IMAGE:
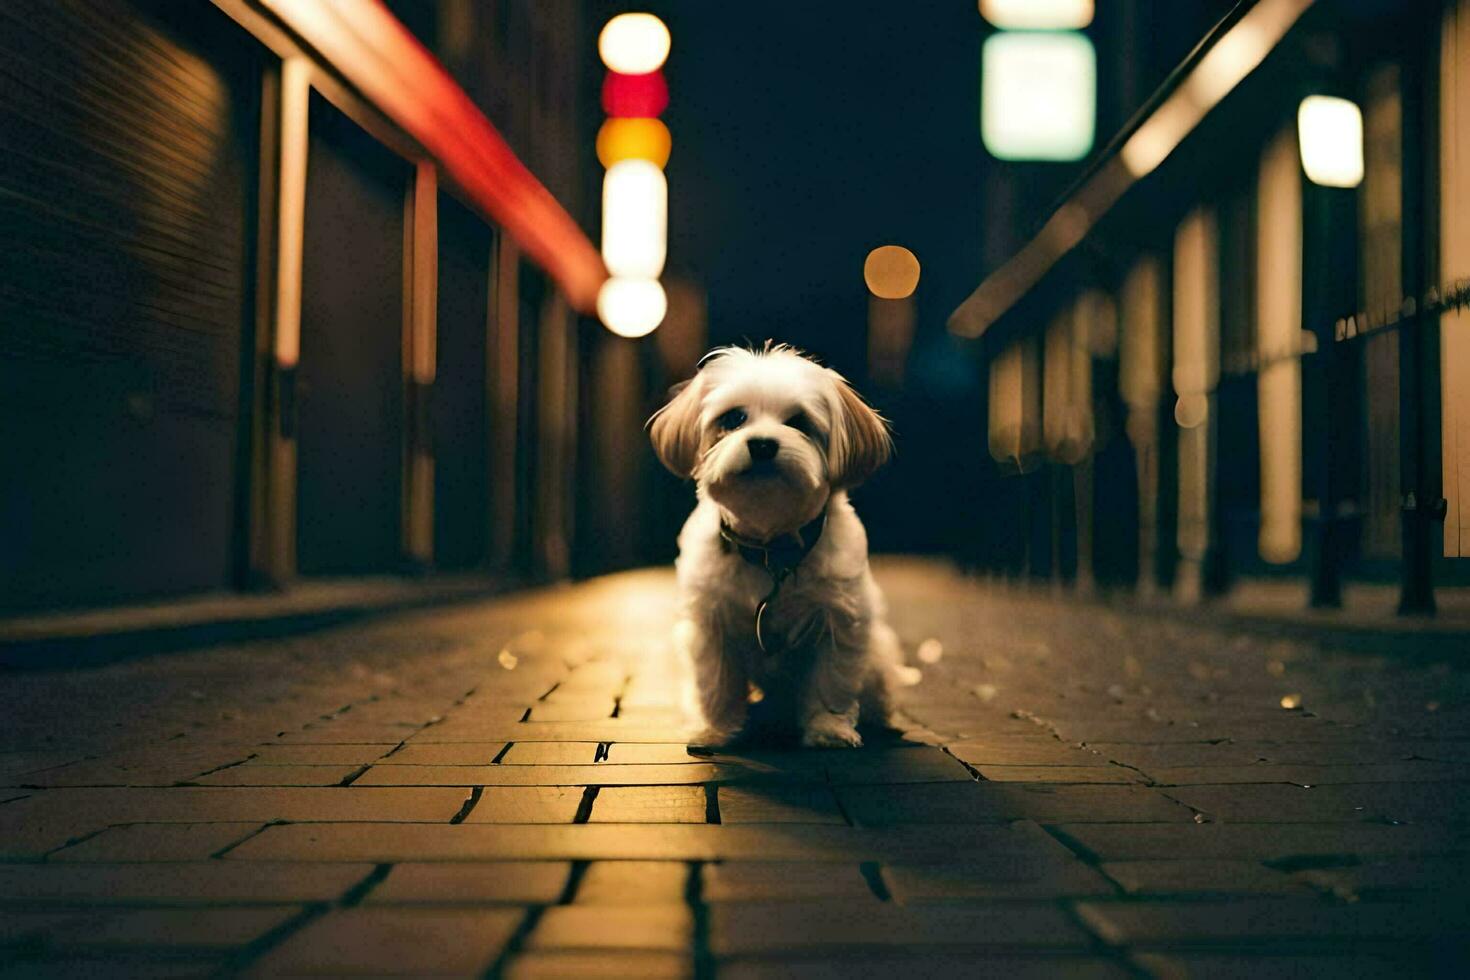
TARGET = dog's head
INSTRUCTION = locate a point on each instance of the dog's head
(769, 435)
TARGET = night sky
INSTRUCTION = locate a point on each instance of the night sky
(807, 133)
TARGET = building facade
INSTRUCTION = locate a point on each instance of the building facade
(286, 294)
(1212, 363)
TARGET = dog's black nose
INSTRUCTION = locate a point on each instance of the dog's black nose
(762, 449)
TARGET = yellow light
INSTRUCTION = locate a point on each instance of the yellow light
(1038, 96)
(635, 203)
(633, 139)
(1330, 133)
(891, 272)
(634, 44)
(631, 307)
(1041, 15)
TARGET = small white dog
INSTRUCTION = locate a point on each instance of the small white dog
(773, 563)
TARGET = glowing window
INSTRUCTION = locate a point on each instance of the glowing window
(1039, 15)
(1330, 133)
(1038, 96)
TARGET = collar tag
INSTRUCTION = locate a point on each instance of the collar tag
(779, 558)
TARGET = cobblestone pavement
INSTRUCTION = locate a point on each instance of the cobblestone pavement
(502, 788)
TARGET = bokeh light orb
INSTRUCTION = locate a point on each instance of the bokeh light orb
(1330, 134)
(1037, 15)
(631, 307)
(633, 139)
(635, 219)
(891, 272)
(634, 44)
(635, 96)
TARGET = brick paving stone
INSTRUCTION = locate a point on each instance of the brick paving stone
(478, 883)
(919, 764)
(27, 834)
(19, 763)
(203, 804)
(526, 804)
(321, 754)
(1312, 775)
(1259, 920)
(601, 774)
(648, 842)
(1060, 774)
(205, 883)
(1323, 965)
(646, 753)
(750, 881)
(633, 883)
(444, 754)
(1118, 842)
(605, 730)
(155, 766)
(885, 966)
(748, 928)
(583, 709)
(1446, 877)
(971, 802)
(25, 926)
(341, 734)
(251, 775)
(381, 941)
(657, 927)
(649, 804)
(1024, 751)
(996, 878)
(1079, 696)
(560, 964)
(157, 842)
(551, 754)
(778, 804)
(1201, 877)
(113, 965)
(1178, 754)
(177, 930)
(1382, 802)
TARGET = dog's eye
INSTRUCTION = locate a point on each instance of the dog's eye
(733, 419)
(802, 423)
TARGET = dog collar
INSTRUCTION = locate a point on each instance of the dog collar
(778, 557)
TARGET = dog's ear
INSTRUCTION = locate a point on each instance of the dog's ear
(860, 442)
(674, 429)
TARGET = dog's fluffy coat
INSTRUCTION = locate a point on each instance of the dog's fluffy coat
(772, 440)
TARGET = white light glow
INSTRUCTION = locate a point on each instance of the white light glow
(1043, 15)
(1222, 68)
(634, 44)
(1038, 96)
(635, 205)
(631, 307)
(1330, 133)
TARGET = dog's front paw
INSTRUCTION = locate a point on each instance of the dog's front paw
(715, 738)
(830, 732)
